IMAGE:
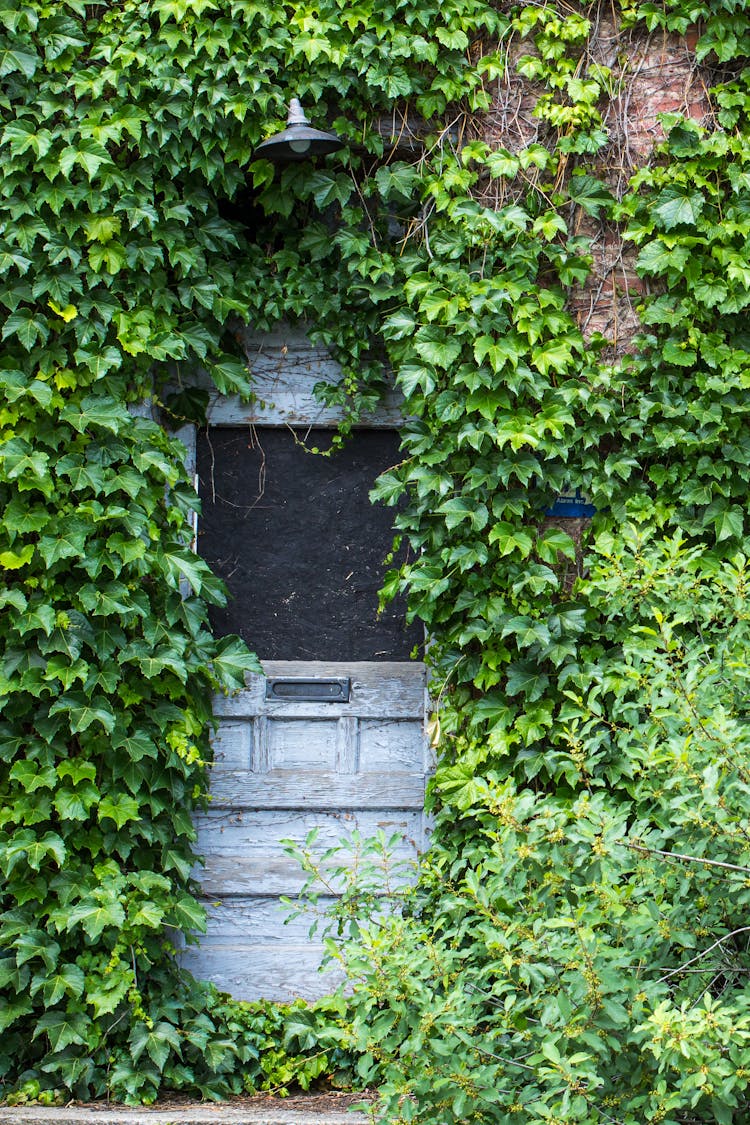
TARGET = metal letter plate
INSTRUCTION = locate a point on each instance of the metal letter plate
(334, 690)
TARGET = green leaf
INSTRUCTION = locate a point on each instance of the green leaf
(12, 560)
(83, 712)
(555, 542)
(189, 914)
(137, 746)
(590, 193)
(109, 256)
(31, 776)
(91, 155)
(69, 980)
(510, 539)
(413, 379)
(657, 258)
(13, 60)
(95, 410)
(27, 327)
(62, 1029)
(438, 348)
(120, 809)
(25, 845)
(95, 917)
(157, 1043)
(676, 206)
(679, 353)
(526, 631)
(232, 660)
(525, 678)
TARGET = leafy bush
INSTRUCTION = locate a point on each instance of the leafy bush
(583, 954)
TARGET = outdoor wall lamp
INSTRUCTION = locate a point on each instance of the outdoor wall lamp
(299, 140)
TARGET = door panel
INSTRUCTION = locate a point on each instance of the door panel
(281, 770)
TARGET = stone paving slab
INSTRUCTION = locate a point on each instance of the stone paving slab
(219, 1114)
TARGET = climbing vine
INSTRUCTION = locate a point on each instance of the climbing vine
(133, 238)
(137, 231)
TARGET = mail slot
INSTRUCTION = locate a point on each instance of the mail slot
(335, 690)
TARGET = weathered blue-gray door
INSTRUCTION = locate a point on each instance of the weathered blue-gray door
(330, 744)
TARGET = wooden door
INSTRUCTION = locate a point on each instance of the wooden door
(334, 741)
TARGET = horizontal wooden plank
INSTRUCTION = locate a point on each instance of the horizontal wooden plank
(284, 367)
(388, 690)
(296, 407)
(316, 789)
(243, 919)
(281, 972)
(239, 832)
(271, 876)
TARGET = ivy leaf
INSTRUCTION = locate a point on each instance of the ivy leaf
(511, 539)
(91, 155)
(525, 678)
(12, 560)
(95, 917)
(15, 59)
(32, 777)
(400, 325)
(590, 193)
(526, 631)
(181, 563)
(677, 206)
(679, 353)
(74, 804)
(95, 410)
(189, 914)
(62, 1029)
(120, 809)
(82, 712)
(555, 542)
(13, 1009)
(69, 980)
(36, 850)
(150, 915)
(729, 522)
(657, 258)
(413, 378)
(232, 660)
(67, 543)
(26, 327)
(157, 1043)
(137, 745)
(438, 348)
(109, 255)
(70, 312)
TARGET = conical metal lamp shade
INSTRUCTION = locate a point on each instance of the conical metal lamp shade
(299, 141)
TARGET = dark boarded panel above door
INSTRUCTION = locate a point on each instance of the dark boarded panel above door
(299, 544)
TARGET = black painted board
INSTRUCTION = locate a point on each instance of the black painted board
(298, 543)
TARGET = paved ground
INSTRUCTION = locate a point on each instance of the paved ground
(223, 1114)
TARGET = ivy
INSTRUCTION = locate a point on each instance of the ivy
(133, 237)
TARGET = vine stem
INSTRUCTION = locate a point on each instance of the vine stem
(686, 858)
(703, 953)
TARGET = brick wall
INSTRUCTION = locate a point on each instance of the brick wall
(650, 75)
